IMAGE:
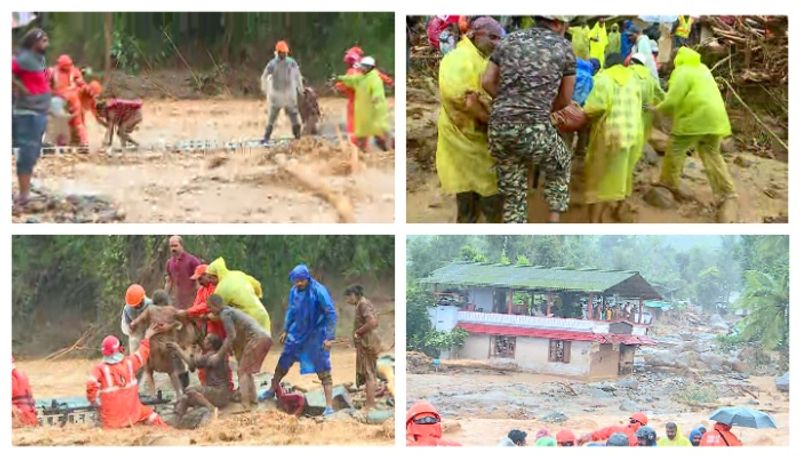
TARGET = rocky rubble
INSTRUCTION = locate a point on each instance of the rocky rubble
(71, 208)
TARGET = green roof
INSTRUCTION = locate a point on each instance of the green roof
(658, 304)
(624, 282)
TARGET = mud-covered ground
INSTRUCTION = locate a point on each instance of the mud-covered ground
(265, 426)
(243, 186)
(761, 182)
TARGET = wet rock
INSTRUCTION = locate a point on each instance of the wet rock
(712, 362)
(628, 383)
(660, 197)
(782, 382)
(728, 145)
(743, 162)
(658, 140)
(649, 155)
(630, 406)
(315, 401)
(598, 393)
(718, 323)
(555, 417)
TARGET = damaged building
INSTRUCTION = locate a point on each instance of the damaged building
(585, 323)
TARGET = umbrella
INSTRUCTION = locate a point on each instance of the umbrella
(743, 417)
(659, 19)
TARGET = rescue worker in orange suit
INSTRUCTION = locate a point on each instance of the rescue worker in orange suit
(424, 426)
(113, 382)
(636, 420)
(720, 435)
(67, 82)
(199, 311)
(351, 57)
(23, 408)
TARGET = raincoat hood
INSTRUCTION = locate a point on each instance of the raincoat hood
(619, 73)
(696, 433)
(584, 66)
(687, 56)
(218, 268)
(722, 427)
(299, 272)
(415, 431)
(546, 441)
(421, 407)
(615, 27)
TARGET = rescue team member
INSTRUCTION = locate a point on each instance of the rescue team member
(566, 437)
(366, 341)
(424, 426)
(180, 267)
(30, 107)
(683, 28)
(67, 82)
(646, 436)
(113, 383)
(23, 408)
(248, 340)
(463, 163)
(216, 390)
(351, 59)
(371, 110)
(515, 438)
(674, 436)
(696, 435)
(239, 290)
(282, 83)
(699, 121)
(122, 116)
(530, 74)
(135, 304)
(720, 435)
(308, 331)
(636, 421)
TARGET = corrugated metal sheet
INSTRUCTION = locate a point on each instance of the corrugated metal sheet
(531, 277)
(554, 334)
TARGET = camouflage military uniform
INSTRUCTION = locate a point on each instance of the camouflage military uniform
(532, 64)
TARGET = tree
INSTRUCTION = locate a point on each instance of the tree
(766, 299)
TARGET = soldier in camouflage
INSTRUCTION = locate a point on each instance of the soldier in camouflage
(531, 74)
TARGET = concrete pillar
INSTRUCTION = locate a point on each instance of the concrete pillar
(549, 303)
(510, 301)
(641, 305)
(589, 313)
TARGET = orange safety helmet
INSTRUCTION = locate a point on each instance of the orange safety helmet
(353, 55)
(565, 435)
(94, 88)
(64, 62)
(640, 418)
(134, 296)
(200, 270)
(463, 24)
(110, 345)
(281, 46)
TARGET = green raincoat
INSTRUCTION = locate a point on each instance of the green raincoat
(371, 110)
(693, 99)
(615, 145)
(598, 42)
(652, 94)
(463, 162)
(614, 40)
(241, 291)
(580, 41)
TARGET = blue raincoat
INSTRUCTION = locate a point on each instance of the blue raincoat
(625, 42)
(310, 321)
(583, 81)
(697, 432)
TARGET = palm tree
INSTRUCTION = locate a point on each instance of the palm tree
(766, 299)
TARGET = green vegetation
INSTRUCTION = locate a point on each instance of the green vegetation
(157, 40)
(698, 394)
(77, 281)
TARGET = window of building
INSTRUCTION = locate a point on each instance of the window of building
(504, 346)
(560, 350)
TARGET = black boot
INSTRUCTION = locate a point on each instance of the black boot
(267, 134)
(296, 131)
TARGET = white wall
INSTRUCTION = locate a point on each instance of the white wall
(483, 298)
(443, 318)
(476, 347)
(533, 354)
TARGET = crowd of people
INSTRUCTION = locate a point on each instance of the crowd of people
(424, 428)
(532, 99)
(61, 91)
(223, 311)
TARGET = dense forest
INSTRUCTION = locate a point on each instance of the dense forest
(746, 272)
(76, 282)
(139, 41)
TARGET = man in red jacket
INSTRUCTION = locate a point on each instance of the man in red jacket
(424, 426)
(23, 408)
(113, 382)
(720, 435)
(636, 420)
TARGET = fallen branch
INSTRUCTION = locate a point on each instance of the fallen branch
(755, 116)
(77, 345)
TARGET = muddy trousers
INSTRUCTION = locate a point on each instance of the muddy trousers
(515, 147)
(294, 118)
(472, 204)
(709, 149)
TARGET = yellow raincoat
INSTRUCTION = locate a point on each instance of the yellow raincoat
(652, 94)
(580, 41)
(693, 99)
(463, 162)
(679, 440)
(240, 291)
(598, 42)
(614, 40)
(615, 145)
(371, 110)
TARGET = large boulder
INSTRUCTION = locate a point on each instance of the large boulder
(718, 323)
(782, 382)
(660, 197)
(713, 362)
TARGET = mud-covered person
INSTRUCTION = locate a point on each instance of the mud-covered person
(309, 110)
(31, 103)
(366, 340)
(530, 75)
(122, 116)
(248, 340)
(216, 391)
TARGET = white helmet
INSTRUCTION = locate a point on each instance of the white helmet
(367, 62)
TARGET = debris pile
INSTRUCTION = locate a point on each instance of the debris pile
(759, 44)
(72, 208)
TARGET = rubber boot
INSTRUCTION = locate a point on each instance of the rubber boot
(296, 131)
